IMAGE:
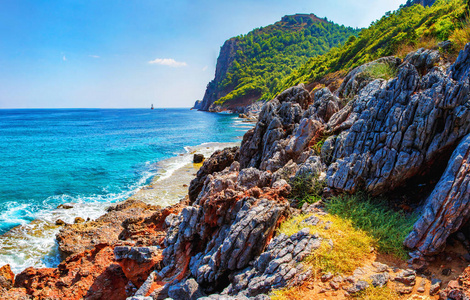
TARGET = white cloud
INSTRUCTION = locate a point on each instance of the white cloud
(64, 58)
(94, 56)
(168, 62)
(204, 69)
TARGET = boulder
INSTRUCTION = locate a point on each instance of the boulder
(198, 158)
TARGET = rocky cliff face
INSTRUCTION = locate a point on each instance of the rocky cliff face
(224, 62)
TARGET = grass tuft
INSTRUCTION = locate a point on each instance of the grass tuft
(351, 246)
(460, 37)
(380, 70)
(389, 228)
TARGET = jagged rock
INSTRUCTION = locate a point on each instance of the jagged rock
(360, 285)
(324, 106)
(456, 289)
(187, 290)
(435, 286)
(396, 130)
(264, 146)
(227, 227)
(423, 59)
(357, 79)
(447, 208)
(278, 266)
(218, 161)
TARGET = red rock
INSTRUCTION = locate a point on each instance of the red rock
(7, 278)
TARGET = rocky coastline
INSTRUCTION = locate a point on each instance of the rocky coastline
(222, 241)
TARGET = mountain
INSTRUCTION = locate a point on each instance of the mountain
(251, 65)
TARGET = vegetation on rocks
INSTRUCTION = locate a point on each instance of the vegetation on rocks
(389, 228)
(306, 189)
(347, 250)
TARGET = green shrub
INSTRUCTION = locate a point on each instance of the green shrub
(306, 189)
(380, 70)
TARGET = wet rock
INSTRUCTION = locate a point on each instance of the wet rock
(7, 278)
(65, 206)
(218, 161)
(60, 222)
(198, 158)
(91, 273)
(78, 220)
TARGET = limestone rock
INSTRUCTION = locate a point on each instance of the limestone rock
(423, 59)
(187, 290)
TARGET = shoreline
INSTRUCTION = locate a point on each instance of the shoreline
(34, 244)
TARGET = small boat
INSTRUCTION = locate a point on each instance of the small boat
(151, 107)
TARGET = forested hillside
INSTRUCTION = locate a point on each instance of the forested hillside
(396, 33)
(251, 66)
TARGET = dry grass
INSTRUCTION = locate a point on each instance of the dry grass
(425, 42)
(378, 293)
(351, 246)
(460, 37)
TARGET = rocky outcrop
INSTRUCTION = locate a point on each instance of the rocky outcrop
(396, 130)
(218, 161)
(279, 266)
(76, 238)
(359, 78)
(230, 223)
(7, 278)
(447, 208)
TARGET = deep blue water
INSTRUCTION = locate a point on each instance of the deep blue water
(49, 157)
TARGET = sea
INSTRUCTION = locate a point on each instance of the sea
(88, 159)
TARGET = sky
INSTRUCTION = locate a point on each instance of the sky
(134, 53)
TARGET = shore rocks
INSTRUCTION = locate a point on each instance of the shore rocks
(76, 238)
(218, 161)
(7, 278)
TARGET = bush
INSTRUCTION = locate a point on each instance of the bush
(379, 70)
(306, 189)
(389, 228)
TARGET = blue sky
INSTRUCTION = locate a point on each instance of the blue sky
(131, 53)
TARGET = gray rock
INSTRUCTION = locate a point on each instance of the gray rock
(435, 286)
(379, 280)
(186, 290)
(447, 208)
(423, 59)
(139, 254)
(407, 277)
(360, 285)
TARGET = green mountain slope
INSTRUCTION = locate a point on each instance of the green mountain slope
(250, 66)
(396, 33)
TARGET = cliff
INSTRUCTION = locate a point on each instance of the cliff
(249, 66)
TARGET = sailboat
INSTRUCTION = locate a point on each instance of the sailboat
(151, 106)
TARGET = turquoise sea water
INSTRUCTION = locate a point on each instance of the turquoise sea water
(50, 157)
